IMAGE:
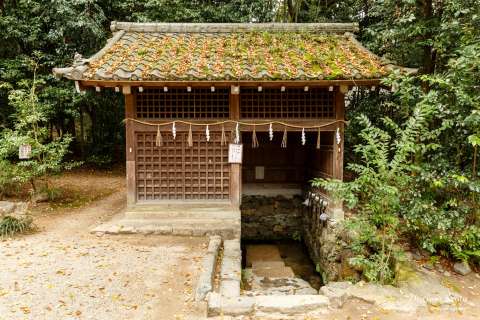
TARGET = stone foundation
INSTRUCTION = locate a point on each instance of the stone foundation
(275, 218)
(328, 248)
(271, 218)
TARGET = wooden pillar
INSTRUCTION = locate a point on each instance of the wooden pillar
(336, 208)
(130, 146)
(235, 168)
(339, 132)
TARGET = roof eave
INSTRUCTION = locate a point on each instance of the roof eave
(207, 83)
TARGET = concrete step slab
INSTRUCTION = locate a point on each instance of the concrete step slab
(273, 272)
(183, 227)
(263, 252)
(268, 264)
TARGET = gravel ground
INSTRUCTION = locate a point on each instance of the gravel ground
(64, 272)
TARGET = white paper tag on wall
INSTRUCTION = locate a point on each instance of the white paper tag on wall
(235, 153)
(24, 151)
(259, 173)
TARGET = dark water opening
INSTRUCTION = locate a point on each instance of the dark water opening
(293, 254)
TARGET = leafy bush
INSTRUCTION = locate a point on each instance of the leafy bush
(8, 174)
(441, 214)
(376, 193)
(30, 127)
(11, 225)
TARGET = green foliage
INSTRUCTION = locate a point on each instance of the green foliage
(9, 174)
(10, 226)
(29, 116)
(381, 176)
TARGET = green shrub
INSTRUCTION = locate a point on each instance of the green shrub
(7, 178)
(441, 214)
(377, 193)
(10, 226)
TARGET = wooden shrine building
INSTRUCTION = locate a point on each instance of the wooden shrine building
(195, 92)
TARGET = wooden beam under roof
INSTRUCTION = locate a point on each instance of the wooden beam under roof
(228, 83)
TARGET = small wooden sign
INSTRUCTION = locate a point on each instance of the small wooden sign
(24, 151)
(235, 153)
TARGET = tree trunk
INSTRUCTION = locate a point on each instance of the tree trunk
(429, 54)
(81, 141)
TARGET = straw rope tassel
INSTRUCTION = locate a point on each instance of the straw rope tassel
(190, 137)
(254, 138)
(223, 140)
(159, 139)
(284, 139)
(318, 139)
(237, 134)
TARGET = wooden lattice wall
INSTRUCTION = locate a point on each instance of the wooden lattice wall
(176, 171)
(178, 103)
(292, 103)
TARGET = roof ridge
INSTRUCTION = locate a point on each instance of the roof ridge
(233, 27)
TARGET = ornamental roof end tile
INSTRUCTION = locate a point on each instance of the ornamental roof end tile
(230, 52)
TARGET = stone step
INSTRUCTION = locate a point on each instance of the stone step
(199, 214)
(262, 252)
(273, 272)
(227, 228)
(186, 210)
(271, 264)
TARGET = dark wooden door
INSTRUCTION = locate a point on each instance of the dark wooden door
(176, 171)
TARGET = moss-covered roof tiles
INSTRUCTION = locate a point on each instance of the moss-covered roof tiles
(266, 54)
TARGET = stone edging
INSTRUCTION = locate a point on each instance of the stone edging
(205, 281)
(231, 269)
(258, 305)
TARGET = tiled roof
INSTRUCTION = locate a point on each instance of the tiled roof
(219, 52)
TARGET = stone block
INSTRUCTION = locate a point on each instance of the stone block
(290, 305)
(262, 253)
(163, 230)
(205, 281)
(232, 248)
(214, 243)
(388, 298)
(126, 230)
(230, 288)
(273, 272)
(148, 229)
(6, 207)
(182, 231)
(429, 288)
(218, 305)
(462, 268)
(199, 232)
(337, 292)
(231, 268)
(112, 229)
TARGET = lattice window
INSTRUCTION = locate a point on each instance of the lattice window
(272, 103)
(175, 171)
(178, 103)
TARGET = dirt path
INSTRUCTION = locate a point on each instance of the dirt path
(64, 272)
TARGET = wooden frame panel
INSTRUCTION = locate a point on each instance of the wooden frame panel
(291, 103)
(175, 171)
(178, 103)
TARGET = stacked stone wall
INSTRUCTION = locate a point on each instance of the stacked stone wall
(271, 218)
